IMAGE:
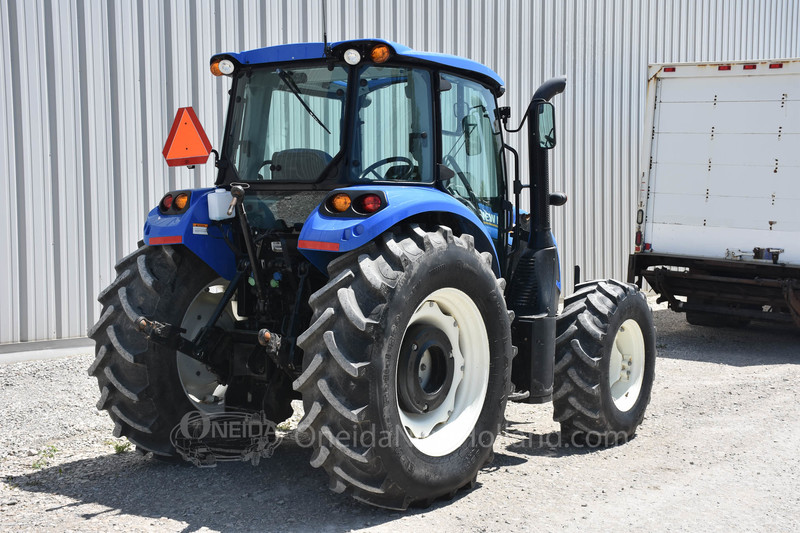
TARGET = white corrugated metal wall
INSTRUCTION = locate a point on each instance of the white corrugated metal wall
(91, 87)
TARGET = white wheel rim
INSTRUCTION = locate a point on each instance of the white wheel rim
(445, 428)
(199, 383)
(626, 366)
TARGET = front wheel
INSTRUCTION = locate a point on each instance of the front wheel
(605, 362)
(406, 368)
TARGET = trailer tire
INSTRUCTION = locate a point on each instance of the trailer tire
(605, 363)
(389, 305)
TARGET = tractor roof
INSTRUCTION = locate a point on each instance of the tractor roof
(301, 51)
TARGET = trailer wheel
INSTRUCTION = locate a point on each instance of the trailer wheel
(147, 388)
(605, 363)
(407, 368)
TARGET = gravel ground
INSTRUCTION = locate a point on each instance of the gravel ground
(716, 452)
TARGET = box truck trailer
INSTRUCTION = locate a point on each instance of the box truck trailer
(718, 218)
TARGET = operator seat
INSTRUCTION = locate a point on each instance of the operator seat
(299, 164)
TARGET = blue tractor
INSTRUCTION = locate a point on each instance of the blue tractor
(359, 251)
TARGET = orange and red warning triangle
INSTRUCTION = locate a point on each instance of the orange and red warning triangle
(187, 143)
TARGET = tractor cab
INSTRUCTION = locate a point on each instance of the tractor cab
(308, 119)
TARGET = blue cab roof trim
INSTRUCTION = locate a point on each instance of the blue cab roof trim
(301, 51)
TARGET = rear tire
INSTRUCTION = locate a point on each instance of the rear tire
(147, 388)
(605, 363)
(139, 382)
(411, 308)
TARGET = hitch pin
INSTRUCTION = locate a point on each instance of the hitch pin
(232, 206)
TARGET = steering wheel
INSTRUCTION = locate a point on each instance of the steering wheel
(386, 161)
(450, 161)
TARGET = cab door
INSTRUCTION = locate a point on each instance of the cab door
(472, 149)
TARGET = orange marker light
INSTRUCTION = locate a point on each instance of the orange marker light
(215, 69)
(181, 200)
(380, 54)
(340, 203)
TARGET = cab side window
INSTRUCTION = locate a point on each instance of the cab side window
(471, 147)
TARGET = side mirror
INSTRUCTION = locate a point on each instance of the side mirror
(545, 125)
(472, 139)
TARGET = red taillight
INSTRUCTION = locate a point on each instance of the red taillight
(369, 203)
(724, 67)
(166, 202)
(638, 238)
(776, 65)
(669, 69)
(750, 67)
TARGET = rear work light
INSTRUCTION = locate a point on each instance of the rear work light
(352, 57)
(222, 67)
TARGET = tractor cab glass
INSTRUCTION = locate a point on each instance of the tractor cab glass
(394, 125)
(471, 148)
(286, 123)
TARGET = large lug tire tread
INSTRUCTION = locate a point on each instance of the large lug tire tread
(343, 371)
(139, 383)
(582, 401)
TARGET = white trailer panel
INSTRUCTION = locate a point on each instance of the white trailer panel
(723, 172)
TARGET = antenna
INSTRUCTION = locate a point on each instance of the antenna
(327, 49)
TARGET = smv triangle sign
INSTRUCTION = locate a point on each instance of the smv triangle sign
(187, 143)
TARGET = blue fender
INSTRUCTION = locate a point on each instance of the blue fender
(195, 230)
(324, 237)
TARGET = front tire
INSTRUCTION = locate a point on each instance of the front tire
(406, 368)
(605, 362)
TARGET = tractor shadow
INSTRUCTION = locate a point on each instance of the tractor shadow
(760, 343)
(550, 445)
(281, 493)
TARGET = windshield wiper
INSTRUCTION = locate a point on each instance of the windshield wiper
(287, 79)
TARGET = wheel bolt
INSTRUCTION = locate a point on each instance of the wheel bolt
(414, 347)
